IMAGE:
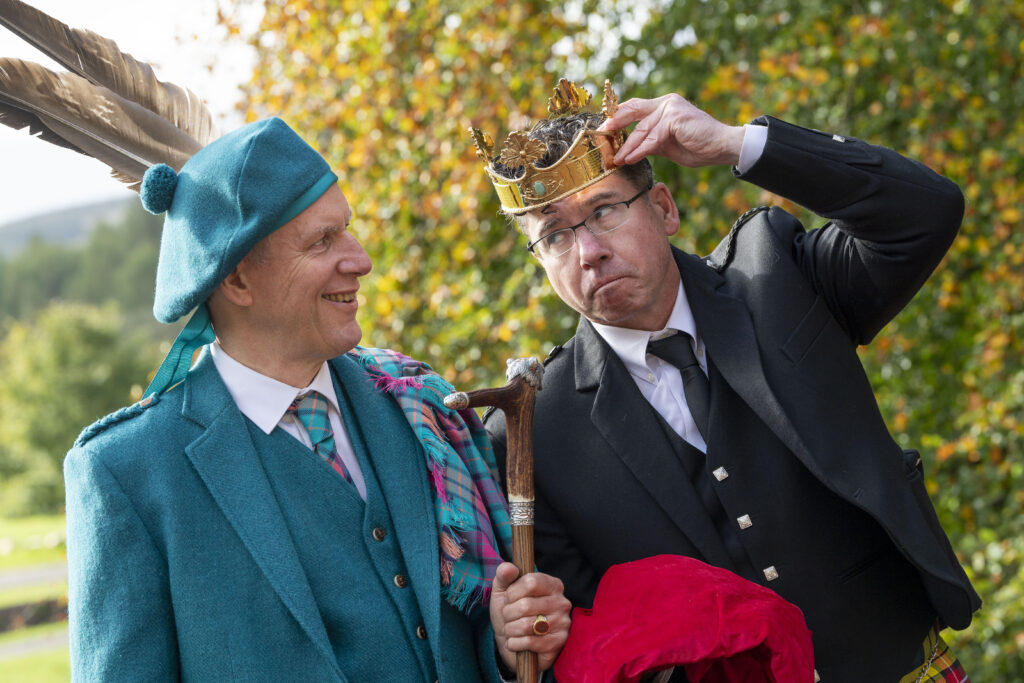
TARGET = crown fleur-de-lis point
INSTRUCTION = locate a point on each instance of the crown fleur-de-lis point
(610, 101)
(569, 98)
(484, 144)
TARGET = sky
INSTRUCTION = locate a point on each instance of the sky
(180, 39)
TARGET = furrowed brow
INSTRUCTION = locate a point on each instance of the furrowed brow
(551, 221)
(600, 198)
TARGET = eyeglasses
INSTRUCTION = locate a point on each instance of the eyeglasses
(606, 219)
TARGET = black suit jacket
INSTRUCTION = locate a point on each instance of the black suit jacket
(781, 312)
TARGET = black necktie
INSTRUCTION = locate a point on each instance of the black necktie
(677, 351)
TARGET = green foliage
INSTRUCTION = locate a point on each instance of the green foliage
(77, 362)
(40, 273)
(61, 371)
(119, 262)
(386, 90)
(116, 263)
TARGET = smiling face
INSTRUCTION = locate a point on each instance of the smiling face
(296, 294)
(626, 278)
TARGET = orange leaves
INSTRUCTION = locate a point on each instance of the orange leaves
(944, 451)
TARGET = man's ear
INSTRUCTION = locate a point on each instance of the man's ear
(665, 207)
(235, 287)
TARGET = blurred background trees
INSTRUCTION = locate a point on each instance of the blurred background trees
(386, 89)
(63, 368)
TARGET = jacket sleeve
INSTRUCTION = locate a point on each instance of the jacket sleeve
(120, 619)
(891, 220)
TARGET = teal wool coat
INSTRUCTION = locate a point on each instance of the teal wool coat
(200, 548)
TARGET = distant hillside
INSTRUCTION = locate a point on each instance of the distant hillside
(68, 227)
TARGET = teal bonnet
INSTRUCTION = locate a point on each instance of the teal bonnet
(230, 195)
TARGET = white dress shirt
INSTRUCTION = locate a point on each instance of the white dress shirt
(265, 401)
(754, 138)
(659, 381)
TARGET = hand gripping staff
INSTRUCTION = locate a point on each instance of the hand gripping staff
(516, 399)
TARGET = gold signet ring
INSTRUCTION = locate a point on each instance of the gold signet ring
(541, 625)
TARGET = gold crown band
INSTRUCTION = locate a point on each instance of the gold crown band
(589, 158)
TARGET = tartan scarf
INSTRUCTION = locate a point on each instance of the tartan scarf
(472, 514)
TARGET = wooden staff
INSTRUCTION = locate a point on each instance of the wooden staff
(516, 399)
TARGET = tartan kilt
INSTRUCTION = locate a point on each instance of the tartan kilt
(941, 665)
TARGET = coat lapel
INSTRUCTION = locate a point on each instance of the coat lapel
(642, 443)
(728, 332)
(400, 466)
(228, 463)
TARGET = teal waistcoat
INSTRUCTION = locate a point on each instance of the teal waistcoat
(338, 538)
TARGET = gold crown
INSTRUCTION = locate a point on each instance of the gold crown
(588, 159)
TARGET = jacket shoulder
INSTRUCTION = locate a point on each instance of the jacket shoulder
(559, 357)
(559, 376)
(761, 219)
(129, 419)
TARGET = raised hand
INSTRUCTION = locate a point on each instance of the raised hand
(671, 127)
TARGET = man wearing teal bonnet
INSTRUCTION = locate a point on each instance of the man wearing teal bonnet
(294, 506)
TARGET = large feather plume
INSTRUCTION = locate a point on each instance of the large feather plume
(111, 106)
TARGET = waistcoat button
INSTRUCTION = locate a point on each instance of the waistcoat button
(379, 533)
(401, 581)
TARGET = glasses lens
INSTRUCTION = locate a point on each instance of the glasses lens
(556, 243)
(607, 218)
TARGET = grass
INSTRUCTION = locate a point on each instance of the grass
(28, 541)
(44, 666)
(37, 593)
(32, 632)
(48, 666)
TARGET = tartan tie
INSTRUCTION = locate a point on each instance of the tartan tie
(311, 410)
(677, 351)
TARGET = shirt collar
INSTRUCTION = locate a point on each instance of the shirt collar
(262, 399)
(631, 345)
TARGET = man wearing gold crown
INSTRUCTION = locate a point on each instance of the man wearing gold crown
(715, 407)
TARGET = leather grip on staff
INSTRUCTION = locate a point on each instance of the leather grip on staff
(516, 400)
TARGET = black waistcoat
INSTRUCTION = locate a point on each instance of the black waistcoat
(862, 600)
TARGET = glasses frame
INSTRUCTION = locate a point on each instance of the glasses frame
(583, 224)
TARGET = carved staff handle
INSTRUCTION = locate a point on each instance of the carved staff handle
(516, 399)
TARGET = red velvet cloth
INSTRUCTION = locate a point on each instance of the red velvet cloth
(670, 610)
